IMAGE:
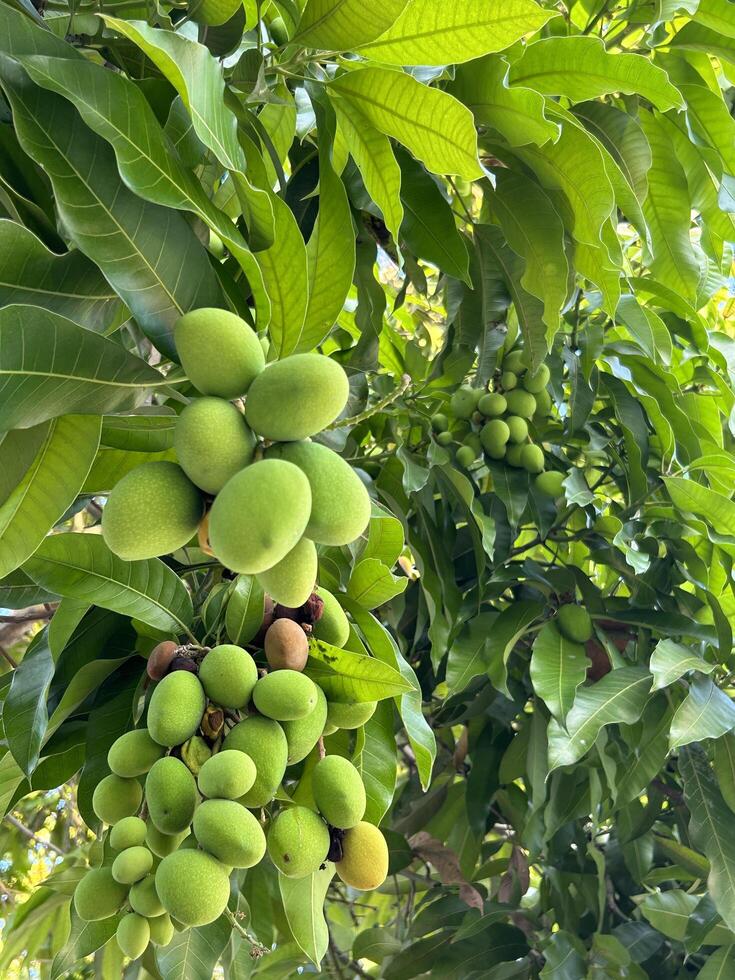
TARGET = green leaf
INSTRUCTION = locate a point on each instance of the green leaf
(18, 591)
(139, 433)
(385, 537)
(372, 583)
(623, 138)
(720, 965)
(18, 449)
(558, 667)
(48, 489)
(85, 938)
(669, 912)
(618, 698)
(50, 366)
(563, 959)
(709, 825)
(303, 903)
(724, 766)
(347, 676)
(67, 284)
(375, 759)
(244, 613)
(706, 712)
(507, 630)
(671, 660)
(341, 25)
(11, 776)
(693, 498)
(193, 954)
(81, 566)
(433, 125)
(718, 15)
(149, 254)
(581, 68)
(428, 33)
(25, 715)
(516, 113)
(467, 656)
(698, 37)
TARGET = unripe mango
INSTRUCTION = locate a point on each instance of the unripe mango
(508, 380)
(303, 734)
(445, 438)
(298, 842)
(464, 402)
(286, 646)
(265, 742)
(350, 714)
(171, 795)
(466, 456)
(338, 791)
(153, 510)
(574, 623)
(297, 397)
(98, 895)
(551, 483)
(513, 455)
(176, 708)
(332, 626)
(144, 899)
(212, 442)
(133, 935)
(285, 695)
(227, 776)
(230, 833)
(163, 844)
(543, 404)
(521, 403)
(259, 516)
(514, 362)
(291, 581)
(194, 887)
(340, 503)
(518, 428)
(219, 352)
(536, 381)
(228, 675)
(364, 863)
(492, 405)
(115, 798)
(494, 436)
(131, 865)
(439, 422)
(133, 753)
(532, 459)
(162, 929)
(128, 832)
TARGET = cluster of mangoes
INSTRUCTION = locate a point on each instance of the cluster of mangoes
(498, 422)
(220, 735)
(249, 482)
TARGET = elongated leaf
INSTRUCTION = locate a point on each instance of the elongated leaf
(435, 127)
(693, 498)
(341, 25)
(139, 433)
(507, 630)
(347, 676)
(710, 820)
(67, 284)
(372, 583)
(18, 449)
(718, 15)
(429, 33)
(48, 489)
(581, 68)
(83, 567)
(468, 653)
(720, 965)
(623, 138)
(385, 537)
(619, 697)
(699, 37)
(84, 938)
(193, 953)
(18, 591)
(49, 366)
(149, 254)
(724, 766)
(303, 903)
(671, 660)
(25, 715)
(706, 712)
(558, 667)
(375, 760)
(244, 613)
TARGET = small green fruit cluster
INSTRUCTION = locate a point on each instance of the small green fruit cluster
(499, 423)
(271, 505)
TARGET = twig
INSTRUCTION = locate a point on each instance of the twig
(257, 949)
(11, 660)
(377, 407)
(29, 833)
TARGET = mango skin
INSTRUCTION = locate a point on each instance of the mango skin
(144, 899)
(133, 753)
(98, 895)
(230, 833)
(340, 503)
(333, 626)
(162, 929)
(521, 402)
(285, 695)
(298, 842)
(153, 510)
(551, 483)
(303, 734)
(128, 832)
(574, 623)
(338, 791)
(131, 865)
(532, 458)
(351, 714)
(115, 798)
(291, 581)
(194, 887)
(227, 776)
(176, 708)
(364, 863)
(133, 935)
(171, 795)
(265, 742)
(220, 353)
(163, 844)
(259, 516)
(228, 675)
(212, 442)
(296, 397)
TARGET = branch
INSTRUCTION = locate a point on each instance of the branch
(257, 949)
(377, 407)
(31, 836)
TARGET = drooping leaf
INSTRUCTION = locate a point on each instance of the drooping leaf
(85, 938)
(558, 667)
(341, 25)
(671, 660)
(244, 613)
(303, 903)
(25, 714)
(347, 676)
(375, 759)
(372, 583)
(724, 767)
(510, 626)
(467, 656)
(693, 498)
(193, 953)
(706, 712)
